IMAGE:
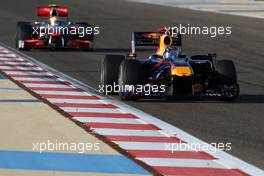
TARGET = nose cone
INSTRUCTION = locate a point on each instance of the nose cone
(181, 71)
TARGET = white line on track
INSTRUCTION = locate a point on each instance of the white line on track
(28, 73)
(42, 92)
(4, 51)
(103, 110)
(20, 68)
(35, 79)
(152, 146)
(108, 120)
(197, 163)
(17, 63)
(79, 101)
(125, 132)
(7, 55)
(46, 85)
(13, 59)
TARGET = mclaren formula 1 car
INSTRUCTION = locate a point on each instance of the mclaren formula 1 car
(196, 76)
(54, 31)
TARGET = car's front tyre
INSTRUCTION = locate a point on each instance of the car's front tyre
(130, 76)
(110, 70)
(23, 32)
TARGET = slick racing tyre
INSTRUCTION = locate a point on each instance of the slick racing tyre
(110, 70)
(24, 31)
(226, 75)
(226, 72)
(130, 75)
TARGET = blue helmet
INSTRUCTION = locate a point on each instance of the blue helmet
(171, 53)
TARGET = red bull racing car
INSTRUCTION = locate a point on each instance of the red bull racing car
(168, 73)
(55, 31)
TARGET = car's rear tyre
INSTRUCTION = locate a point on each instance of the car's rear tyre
(226, 72)
(23, 32)
(226, 75)
(130, 75)
(110, 70)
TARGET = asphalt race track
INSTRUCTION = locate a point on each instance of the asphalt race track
(240, 123)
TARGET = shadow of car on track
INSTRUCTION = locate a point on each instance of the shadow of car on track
(250, 98)
(95, 50)
(127, 50)
(242, 99)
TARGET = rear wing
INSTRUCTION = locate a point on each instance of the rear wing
(45, 11)
(152, 39)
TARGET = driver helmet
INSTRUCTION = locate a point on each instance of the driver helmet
(155, 58)
(171, 53)
(54, 12)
